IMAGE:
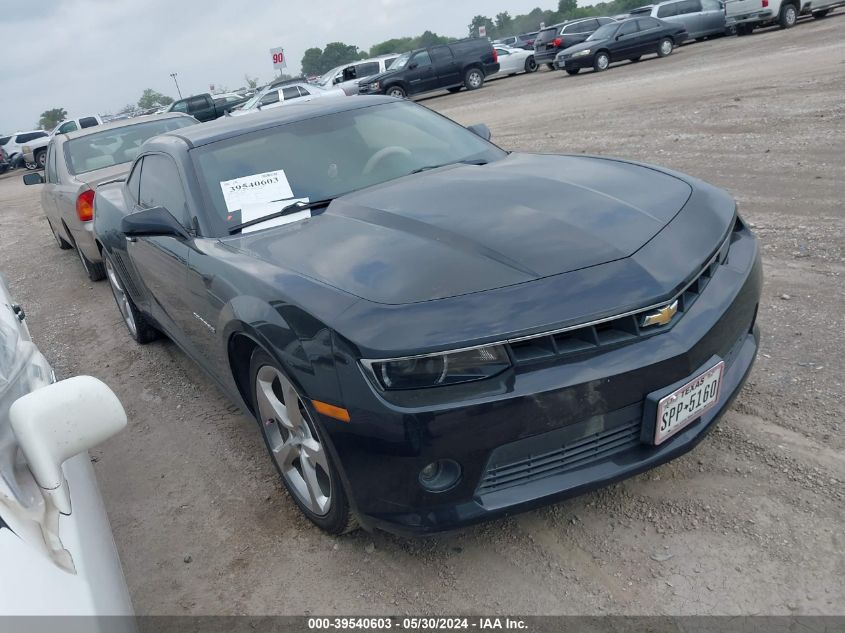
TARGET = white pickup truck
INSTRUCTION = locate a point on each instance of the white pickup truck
(35, 152)
(746, 15)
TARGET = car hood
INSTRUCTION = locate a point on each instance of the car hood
(469, 228)
(581, 47)
(379, 77)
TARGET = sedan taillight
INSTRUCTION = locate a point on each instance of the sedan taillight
(85, 205)
(558, 42)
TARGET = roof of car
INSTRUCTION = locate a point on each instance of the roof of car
(123, 123)
(232, 126)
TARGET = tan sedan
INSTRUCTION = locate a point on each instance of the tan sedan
(79, 161)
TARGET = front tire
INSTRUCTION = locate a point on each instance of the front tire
(788, 16)
(601, 62)
(473, 79)
(41, 158)
(665, 48)
(138, 325)
(297, 447)
(531, 65)
(397, 92)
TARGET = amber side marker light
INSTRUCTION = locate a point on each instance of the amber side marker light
(338, 413)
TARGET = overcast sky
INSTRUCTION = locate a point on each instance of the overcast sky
(95, 56)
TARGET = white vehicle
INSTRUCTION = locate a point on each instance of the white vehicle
(746, 15)
(14, 142)
(515, 60)
(347, 76)
(35, 151)
(56, 548)
(273, 96)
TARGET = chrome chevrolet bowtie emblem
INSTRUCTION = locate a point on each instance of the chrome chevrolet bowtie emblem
(661, 316)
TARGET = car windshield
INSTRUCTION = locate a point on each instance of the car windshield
(323, 157)
(400, 61)
(116, 146)
(603, 32)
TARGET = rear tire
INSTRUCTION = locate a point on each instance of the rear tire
(63, 244)
(821, 14)
(298, 447)
(140, 328)
(601, 62)
(573, 71)
(473, 79)
(531, 65)
(788, 16)
(96, 271)
(665, 48)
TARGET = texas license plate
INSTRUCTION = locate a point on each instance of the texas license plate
(688, 403)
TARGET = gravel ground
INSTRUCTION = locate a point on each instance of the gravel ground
(750, 522)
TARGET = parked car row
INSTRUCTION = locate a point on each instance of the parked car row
(411, 314)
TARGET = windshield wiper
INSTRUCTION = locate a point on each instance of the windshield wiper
(290, 209)
(477, 161)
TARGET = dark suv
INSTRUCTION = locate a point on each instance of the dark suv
(450, 66)
(551, 40)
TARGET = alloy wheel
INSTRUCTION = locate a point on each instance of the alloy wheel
(120, 297)
(666, 47)
(474, 79)
(603, 62)
(293, 441)
(791, 15)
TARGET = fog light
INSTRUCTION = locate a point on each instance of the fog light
(440, 475)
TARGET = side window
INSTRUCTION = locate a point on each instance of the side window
(628, 28)
(388, 62)
(70, 126)
(290, 93)
(270, 97)
(501, 52)
(134, 180)
(667, 10)
(444, 53)
(367, 69)
(422, 59)
(180, 106)
(689, 6)
(87, 121)
(161, 187)
(603, 21)
(648, 23)
(197, 103)
(303, 91)
(587, 26)
(711, 5)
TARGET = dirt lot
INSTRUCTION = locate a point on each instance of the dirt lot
(752, 521)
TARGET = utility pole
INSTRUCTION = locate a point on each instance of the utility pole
(177, 84)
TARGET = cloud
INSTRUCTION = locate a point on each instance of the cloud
(95, 56)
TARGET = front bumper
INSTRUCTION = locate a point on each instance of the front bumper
(541, 408)
(572, 63)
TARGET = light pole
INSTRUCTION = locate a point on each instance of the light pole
(177, 84)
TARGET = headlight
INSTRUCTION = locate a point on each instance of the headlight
(434, 370)
(586, 51)
(374, 86)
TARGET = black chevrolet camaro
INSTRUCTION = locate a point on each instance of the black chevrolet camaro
(429, 330)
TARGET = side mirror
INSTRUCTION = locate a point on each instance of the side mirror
(153, 221)
(56, 422)
(479, 129)
(33, 179)
(412, 65)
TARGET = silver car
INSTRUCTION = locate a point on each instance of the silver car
(701, 18)
(79, 161)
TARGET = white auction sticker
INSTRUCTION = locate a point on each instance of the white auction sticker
(256, 189)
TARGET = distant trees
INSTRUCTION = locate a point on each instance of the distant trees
(51, 118)
(479, 21)
(317, 61)
(403, 44)
(152, 99)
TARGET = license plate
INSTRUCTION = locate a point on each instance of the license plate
(686, 404)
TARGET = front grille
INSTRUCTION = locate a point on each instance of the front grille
(613, 331)
(575, 453)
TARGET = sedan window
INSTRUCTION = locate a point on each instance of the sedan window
(290, 93)
(628, 28)
(648, 23)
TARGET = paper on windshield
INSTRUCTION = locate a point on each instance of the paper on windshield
(254, 211)
(257, 189)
